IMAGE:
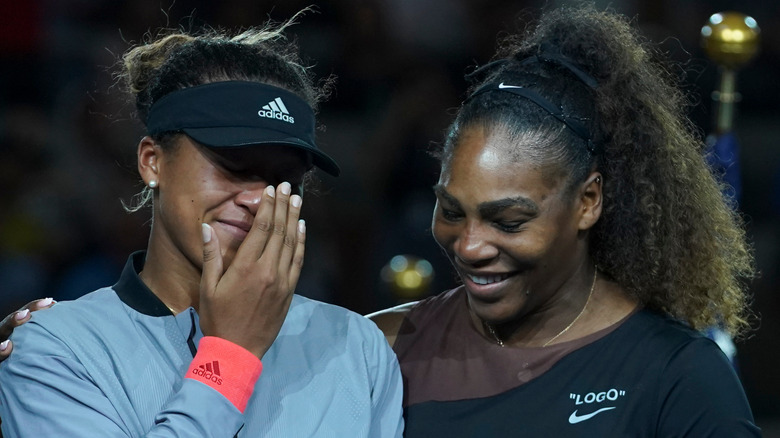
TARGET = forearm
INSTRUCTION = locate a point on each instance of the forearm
(56, 396)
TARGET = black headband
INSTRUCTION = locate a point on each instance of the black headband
(239, 113)
(574, 124)
(546, 54)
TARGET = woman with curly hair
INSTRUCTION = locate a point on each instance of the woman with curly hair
(592, 242)
(174, 348)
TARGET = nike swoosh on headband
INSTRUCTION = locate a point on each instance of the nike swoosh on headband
(577, 126)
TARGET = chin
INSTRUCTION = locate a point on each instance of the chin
(497, 312)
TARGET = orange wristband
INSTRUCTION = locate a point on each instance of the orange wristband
(226, 367)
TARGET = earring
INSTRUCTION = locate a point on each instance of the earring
(152, 183)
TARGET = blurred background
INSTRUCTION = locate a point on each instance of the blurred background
(68, 139)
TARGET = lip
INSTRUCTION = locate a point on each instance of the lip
(486, 285)
(236, 228)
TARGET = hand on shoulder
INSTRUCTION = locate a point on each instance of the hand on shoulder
(16, 319)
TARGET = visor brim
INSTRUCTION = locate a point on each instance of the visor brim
(217, 137)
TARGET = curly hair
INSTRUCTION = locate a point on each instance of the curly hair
(175, 60)
(667, 234)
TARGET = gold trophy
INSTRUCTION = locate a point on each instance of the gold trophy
(408, 277)
(731, 41)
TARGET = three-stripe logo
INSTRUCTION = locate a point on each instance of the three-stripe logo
(213, 367)
(209, 371)
(276, 109)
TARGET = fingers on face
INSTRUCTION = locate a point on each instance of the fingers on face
(285, 237)
(297, 259)
(253, 246)
(293, 239)
(275, 231)
(278, 237)
(212, 259)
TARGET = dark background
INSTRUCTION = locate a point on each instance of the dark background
(68, 141)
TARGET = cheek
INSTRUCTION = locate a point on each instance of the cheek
(443, 233)
(528, 248)
(199, 189)
(537, 245)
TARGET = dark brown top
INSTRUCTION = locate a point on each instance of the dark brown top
(438, 344)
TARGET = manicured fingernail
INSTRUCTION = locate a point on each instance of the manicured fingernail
(285, 188)
(4, 345)
(301, 226)
(296, 201)
(270, 191)
(45, 302)
(22, 314)
(206, 229)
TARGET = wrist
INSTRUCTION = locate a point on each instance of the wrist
(226, 367)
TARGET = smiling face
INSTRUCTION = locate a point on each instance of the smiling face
(219, 187)
(509, 228)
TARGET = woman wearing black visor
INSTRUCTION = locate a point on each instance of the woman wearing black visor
(174, 348)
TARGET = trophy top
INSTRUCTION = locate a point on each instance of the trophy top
(408, 276)
(730, 38)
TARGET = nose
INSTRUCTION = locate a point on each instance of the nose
(250, 194)
(473, 245)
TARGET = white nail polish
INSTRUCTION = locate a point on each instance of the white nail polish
(206, 230)
(45, 302)
(301, 226)
(270, 191)
(285, 188)
(22, 314)
(3, 345)
(295, 200)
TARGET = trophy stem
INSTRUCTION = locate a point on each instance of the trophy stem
(726, 98)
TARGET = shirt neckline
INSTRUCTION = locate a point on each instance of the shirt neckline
(133, 292)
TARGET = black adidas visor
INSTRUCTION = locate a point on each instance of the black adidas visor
(240, 114)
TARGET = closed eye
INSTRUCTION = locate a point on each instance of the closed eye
(451, 215)
(509, 227)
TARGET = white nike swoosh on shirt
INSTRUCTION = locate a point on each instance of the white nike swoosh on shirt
(501, 85)
(574, 419)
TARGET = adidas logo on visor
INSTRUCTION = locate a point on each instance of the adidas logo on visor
(276, 110)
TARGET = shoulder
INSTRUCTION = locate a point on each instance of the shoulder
(92, 308)
(699, 390)
(647, 342)
(73, 328)
(391, 320)
(307, 310)
(656, 329)
(66, 329)
(668, 348)
(320, 319)
(326, 333)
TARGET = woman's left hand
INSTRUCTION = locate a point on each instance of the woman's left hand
(16, 319)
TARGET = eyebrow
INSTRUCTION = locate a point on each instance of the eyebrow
(491, 207)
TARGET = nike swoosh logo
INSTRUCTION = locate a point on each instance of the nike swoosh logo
(501, 85)
(574, 418)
